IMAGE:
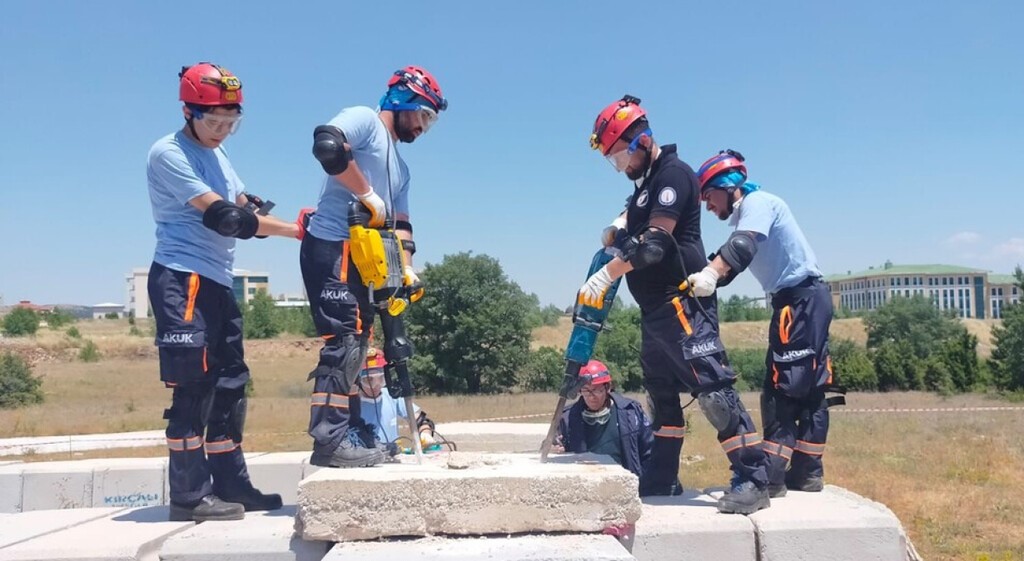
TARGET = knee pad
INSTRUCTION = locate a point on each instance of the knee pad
(341, 358)
(721, 409)
(191, 405)
(664, 404)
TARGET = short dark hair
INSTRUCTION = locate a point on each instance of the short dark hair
(636, 129)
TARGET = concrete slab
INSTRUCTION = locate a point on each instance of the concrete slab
(495, 493)
(15, 528)
(11, 483)
(57, 485)
(278, 472)
(130, 482)
(689, 527)
(495, 437)
(128, 535)
(262, 536)
(834, 524)
(578, 547)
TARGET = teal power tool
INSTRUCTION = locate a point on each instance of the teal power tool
(587, 323)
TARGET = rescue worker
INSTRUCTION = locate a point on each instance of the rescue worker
(768, 241)
(606, 422)
(358, 151)
(200, 210)
(658, 236)
(380, 411)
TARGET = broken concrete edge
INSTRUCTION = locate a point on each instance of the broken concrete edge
(882, 509)
(563, 547)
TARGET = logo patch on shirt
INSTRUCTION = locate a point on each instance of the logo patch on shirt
(641, 201)
(667, 196)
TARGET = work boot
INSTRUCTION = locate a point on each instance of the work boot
(352, 452)
(370, 440)
(210, 507)
(744, 498)
(253, 499)
(776, 491)
(808, 484)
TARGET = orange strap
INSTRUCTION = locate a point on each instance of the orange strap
(193, 291)
(343, 272)
(681, 315)
(785, 324)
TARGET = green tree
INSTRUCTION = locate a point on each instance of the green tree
(749, 366)
(1007, 362)
(914, 320)
(550, 315)
(89, 352)
(897, 367)
(937, 377)
(742, 308)
(852, 365)
(471, 325)
(543, 370)
(618, 347)
(18, 386)
(959, 355)
(297, 321)
(259, 317)
(21, 321)
(58, 318)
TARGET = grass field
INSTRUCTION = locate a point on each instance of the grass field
(954, 479)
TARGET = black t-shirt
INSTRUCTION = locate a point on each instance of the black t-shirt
(670, 190)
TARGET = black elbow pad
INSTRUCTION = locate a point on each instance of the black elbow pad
(739, 250)
(647, 249)
(231, 220)
(329, 149)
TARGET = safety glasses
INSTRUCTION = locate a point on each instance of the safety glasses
(427, 117)
(217, 123)
(619, 160)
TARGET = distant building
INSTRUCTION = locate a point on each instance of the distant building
(246, 285)
(28, 305)
(969, 293)
(100, 311)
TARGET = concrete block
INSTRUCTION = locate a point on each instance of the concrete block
(689, 527)
(278, 472)
(834, 524)
(16, 528)
(578, 547)
(494, 493)
(11, 483)
(495, 437)
(130, 482)
(128, 535)
(57, 485)
(262, 536)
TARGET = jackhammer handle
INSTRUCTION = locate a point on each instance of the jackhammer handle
(359, 215)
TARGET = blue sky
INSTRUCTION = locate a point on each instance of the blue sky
(893, 129)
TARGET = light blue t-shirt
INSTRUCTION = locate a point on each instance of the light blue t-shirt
(378, 158)
(180, 170)
(384, 412)
(784, 258)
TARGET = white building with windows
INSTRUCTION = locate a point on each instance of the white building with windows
(246, 285)
(969, 293)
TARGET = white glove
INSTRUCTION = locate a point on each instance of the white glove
(593, 291)
(426, 439)
(375, 205)
(703, 283)
(608, 234)
(410, 276)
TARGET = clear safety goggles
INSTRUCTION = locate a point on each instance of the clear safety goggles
(427, 117)
(219, 124)
(620, 160)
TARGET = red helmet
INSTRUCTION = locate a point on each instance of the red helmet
(614, 121)
(720, 164)
(421, 83)
(374, 359)
(596, 373)
(209, 84)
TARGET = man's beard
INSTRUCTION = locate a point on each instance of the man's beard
(404, 133)
(639, 172)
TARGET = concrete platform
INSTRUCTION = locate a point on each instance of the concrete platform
(496, 493)
(262, 536)
(16, 528)
(689, 527)
(127, 535)
(834, 524)
(579, 547)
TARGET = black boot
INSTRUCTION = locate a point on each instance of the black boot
(370, 440)
(253, 499)
(744, 498)
(352, 452)
(208, 508)
(776, 491)
(809, 484)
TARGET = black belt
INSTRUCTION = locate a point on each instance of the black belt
(802, 289)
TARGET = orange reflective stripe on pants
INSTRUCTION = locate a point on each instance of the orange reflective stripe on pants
(778, 449)
(183, 444)
(741, 441)
(809, 448)
(670, 432)
(221, 446)
(321, 399)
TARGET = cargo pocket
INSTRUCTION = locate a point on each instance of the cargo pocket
(794, 361)
(337, 311)
(182, 356)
